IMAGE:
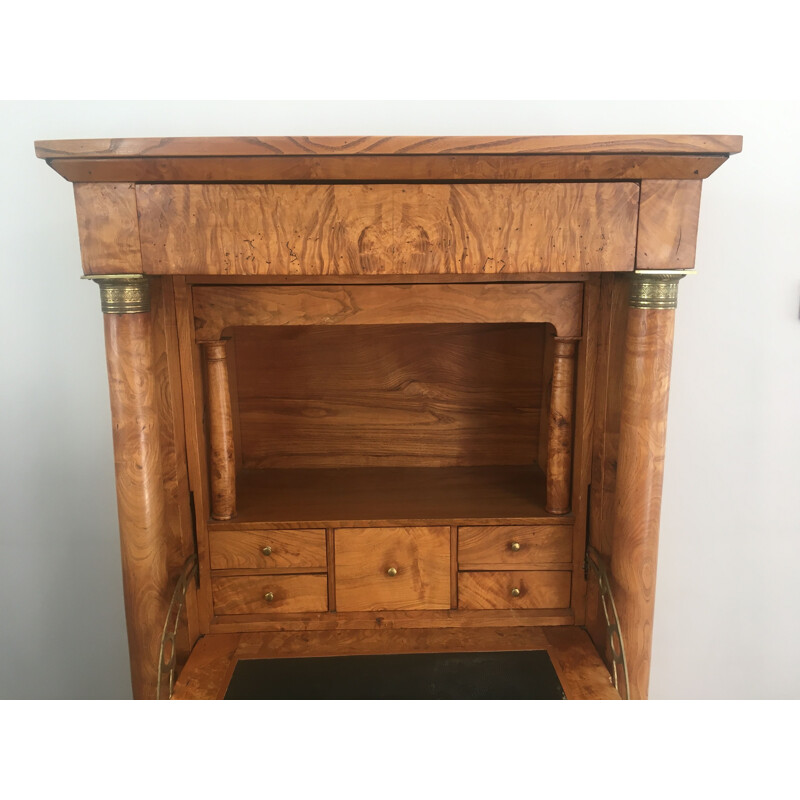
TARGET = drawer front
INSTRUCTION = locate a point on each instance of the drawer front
(392, 568)
(495, 590)
(514, 546)
(400, 229)
(264, 549)
(250, 594)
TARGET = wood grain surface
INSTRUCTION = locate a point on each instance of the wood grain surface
(344, 497)
(388, 395)
(364, 557)
(580, 669)
(368, 229)
(141, 499)
(490, 546)
(221, 458)
(108, 228)
(560, 427)
(492, 590)
(290, 593)
(668, 217)
(383, 145)
(244, 549)
(219, 308)
(640, 471)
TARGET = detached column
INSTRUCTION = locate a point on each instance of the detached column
(125, 301)
(640, 464)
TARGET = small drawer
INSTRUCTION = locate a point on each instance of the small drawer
(265, 549)
(260, 594)
(514, 546)
(494, 590)
(392, 568)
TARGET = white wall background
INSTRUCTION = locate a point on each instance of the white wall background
(727, 621)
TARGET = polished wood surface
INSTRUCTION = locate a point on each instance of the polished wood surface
(493, 546)
(396, 168)
(340, 497)
(108, 227)
(388, 395)
(393, 620)
(219, 308)
(384, 145)
(668, 216)
(255, 594)
(580, 670)
(222, 463)
(559, 437)
(369, 229)
(536, 589)
(640, 470)
(392, 568)
(141, 499)
(244, 549)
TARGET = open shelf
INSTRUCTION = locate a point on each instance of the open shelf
(398, 494)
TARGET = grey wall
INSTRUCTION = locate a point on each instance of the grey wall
(726, 610)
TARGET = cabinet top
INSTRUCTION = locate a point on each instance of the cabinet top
(291, 158)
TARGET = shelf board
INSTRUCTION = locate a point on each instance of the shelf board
(353, 496)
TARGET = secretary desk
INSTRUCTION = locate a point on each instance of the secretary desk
(388, 395)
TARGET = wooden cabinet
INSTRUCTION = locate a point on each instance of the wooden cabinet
(403, 383)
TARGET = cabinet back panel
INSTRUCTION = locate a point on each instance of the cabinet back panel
(388, 395)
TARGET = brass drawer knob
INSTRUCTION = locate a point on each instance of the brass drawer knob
(269, 597)
(515, 546)
(267, 551)
(515, 592)
(391, 572)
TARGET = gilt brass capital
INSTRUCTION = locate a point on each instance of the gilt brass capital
(655, 289)
(123, 294)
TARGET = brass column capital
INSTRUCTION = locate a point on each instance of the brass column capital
(123, 294)
(655, 289)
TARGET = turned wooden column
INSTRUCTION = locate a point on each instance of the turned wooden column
(559, 436)
(640, 465)
(222, 466)
(125, 302)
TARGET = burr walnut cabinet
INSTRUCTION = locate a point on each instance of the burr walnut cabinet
(388, 395)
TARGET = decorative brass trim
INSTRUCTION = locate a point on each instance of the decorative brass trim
(167, 654)
(123, 294)
(655, 290)
(616, 647)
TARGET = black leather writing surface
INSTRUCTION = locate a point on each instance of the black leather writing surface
(521, 675)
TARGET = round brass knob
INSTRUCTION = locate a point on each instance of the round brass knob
(515, 592)
(267, 551)
(391, 572)
(515, 546)
(269, 597)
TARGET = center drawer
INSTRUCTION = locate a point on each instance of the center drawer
(392, 568)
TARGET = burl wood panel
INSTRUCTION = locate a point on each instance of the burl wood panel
(108, 228)
(221, 461)
(388, 395)
(244, 549)
(482, 547)
(492, 590)
(217, 308)
(364, 557)
(140, 491)
(369, 229)
(290, 593)
(668, 216)
(559, 437)
(640, 471)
